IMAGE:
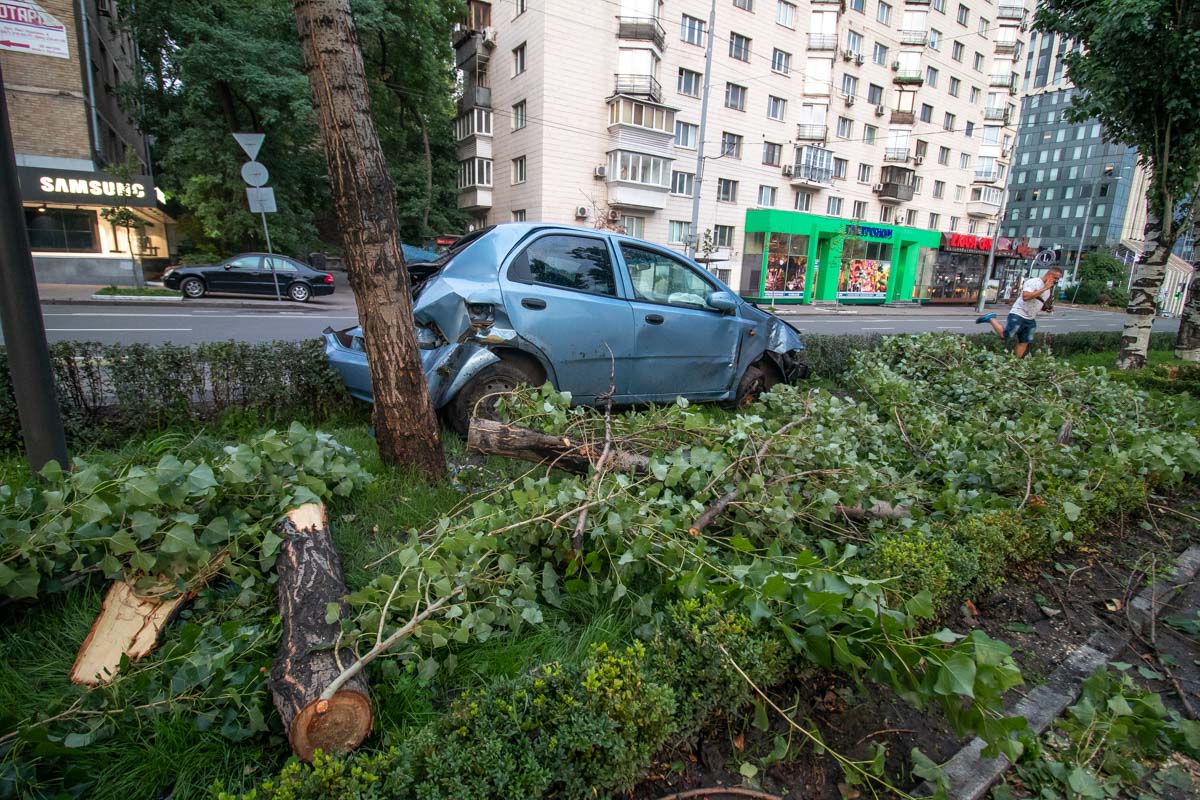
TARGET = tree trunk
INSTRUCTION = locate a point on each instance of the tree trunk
(1187, 344)
(310, 579)
(1147, 280)
(496, 438)
(365, 203)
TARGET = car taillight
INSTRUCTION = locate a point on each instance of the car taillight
(328, 279)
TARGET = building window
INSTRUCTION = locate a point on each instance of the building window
(633, 226)
(62, 229)
(958, 193)
(631, 112)
(978, 65)
(969, 129)
(845, 128)
(858, 5)
(849, 85)
(781, 62)
(474, 172)
(735, 97)
(786, 16)
(833, 207)
(803, 201)
(910, 217)
(727, 190)
(922, 149)
(864, 173)
(874, 94)
(983, 27)
(869, 133)
(638, 168)
(944, 156)
(522, 7)
(934, 220)
(839, 168)
(974, 95)
(772, 154)
(935, 39)
(518, 116)
(691, 30)
(964, 14)
(678, 231)
(948, 122)
(939, 190)
(731, 144)
(884, 14)
(860, 209)
(879, 54)
(955, 87)
(854, 42)
(766, 196)
(518, 56)
(953, 224)
(739, 47)
(926, 112)
(776, 108)
(744, 5)
(518, 215)
(685, 135)
(723, 235)
(940, 7)
(518, 170)
(885, 213)
(964, 161)
(931, 77)
(683, 183)
(957, 51)
(689, 82)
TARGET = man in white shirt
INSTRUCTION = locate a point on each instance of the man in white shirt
(1036, 295)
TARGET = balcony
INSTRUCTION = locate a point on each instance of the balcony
(903, 118)
(639, 85)
(475, 198)
(808, 175)
(987, 175)
(909, 77)
(812, 133)
(896, 154)
(645, 29)
(473, 51)
(1006, 45)
(475, 97)
(1011, 12)
(914, 37)
(1001, 81)
(996, 114)
(894, 192)
(982, 208)
(916, 2)
(822, 41)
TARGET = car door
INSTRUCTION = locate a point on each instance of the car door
(560, 293)
(236, 275)
(285, 271)
(684, 347)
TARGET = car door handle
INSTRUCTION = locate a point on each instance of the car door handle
(533, 303)
(654, 319)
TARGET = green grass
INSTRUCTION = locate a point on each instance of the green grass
(1109, 359)
(129, 291)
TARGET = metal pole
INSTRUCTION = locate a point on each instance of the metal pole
(1087, 215)
(21, 319)
(991, 259)
(274, 275)
(698, 183)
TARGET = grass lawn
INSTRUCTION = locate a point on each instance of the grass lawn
(129, 291)
(1109, 359)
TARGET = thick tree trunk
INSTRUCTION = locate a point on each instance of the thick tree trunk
(496, 438)
(1147, 280)
(365, 202)
(310, 579)
(128, 625)
(1187, 344)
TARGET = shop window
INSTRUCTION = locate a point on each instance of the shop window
(787, 266)
(866, 267)
(62, 229)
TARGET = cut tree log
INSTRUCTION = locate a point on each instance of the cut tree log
(496, 438)
(308, 661)
(128, 625)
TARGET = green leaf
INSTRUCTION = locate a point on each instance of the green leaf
(956, 676)
(179, 538)
(333, 612)
(920, 605)
(1072, 511)
(748, 770)
(1084, 783)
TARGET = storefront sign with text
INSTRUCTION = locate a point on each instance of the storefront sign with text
(84, 188)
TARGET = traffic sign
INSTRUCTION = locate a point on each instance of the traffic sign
(1045, 258)
(262, 201)
(250, 142)
(255, 174)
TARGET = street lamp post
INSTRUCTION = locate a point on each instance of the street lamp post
(694, 233)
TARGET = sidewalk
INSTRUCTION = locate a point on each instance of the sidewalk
(81, 294)
(914, 310)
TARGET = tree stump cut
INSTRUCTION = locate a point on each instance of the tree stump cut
(310, 578)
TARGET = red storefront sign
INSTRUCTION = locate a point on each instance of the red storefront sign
(969, 243)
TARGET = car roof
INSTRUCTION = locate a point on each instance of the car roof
(523, 228)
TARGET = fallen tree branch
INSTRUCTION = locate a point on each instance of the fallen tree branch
(712, 512)
(581, 523)
(880, 510)
(496, 438)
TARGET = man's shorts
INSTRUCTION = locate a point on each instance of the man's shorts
(1020, 327)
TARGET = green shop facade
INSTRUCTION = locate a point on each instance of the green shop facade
(792, 257)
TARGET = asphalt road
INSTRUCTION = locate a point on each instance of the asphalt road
(114, 324)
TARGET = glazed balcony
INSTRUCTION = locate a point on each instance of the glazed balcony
(644, 29)
(892, 192)
(1004, 81)
(808, 175)
(812, 133)
(896, 155)
(1011, 12)
(822, 41)
(996, 114)
(914, 37)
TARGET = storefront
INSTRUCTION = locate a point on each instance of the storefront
(791, 257)
(953, 273)
(78, 234)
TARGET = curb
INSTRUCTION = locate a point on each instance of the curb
(135, 298)
(972, 776)
(306, 308)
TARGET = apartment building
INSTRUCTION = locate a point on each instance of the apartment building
(62, 61)
(853, 151)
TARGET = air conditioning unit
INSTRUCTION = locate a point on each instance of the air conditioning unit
(895, 66)
(860, 59)
(877, 188)
(787, 170)
(489, 38)
(1006, 152)
(847, 55)
(918, 160)
(613, 215)
(879, 111)
(849, 100)
(581, 212)
(600, 172)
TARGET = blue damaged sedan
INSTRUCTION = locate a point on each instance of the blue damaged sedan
(586, 310)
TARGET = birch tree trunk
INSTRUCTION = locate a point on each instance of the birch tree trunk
(1147, 280)
(1187, 344)
(364, 200)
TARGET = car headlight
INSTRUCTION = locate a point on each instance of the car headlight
(429, 337)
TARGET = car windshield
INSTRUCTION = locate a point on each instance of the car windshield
(428, 269)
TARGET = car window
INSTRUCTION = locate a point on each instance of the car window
(570, 262)
(658, 278)
(281, 264)
(244, 262)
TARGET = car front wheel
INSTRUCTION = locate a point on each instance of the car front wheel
(758, 379)
(192, 287)
(299, 292)
(478, 398)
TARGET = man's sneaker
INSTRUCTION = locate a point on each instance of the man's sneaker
(985, 318)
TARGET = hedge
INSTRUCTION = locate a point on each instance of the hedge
(107, 392)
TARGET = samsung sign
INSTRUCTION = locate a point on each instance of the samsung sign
(84, 188)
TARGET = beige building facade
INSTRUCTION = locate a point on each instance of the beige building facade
(892, 114)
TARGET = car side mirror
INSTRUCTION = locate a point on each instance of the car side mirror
(227, 266)
(725, 302)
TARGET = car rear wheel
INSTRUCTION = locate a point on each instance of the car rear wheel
(192, 287)
(757, 380)
(299, 292)
(478, 398)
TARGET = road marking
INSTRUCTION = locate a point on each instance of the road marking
(113, 330)
(879, 329)
(212, 315)
(950, 327)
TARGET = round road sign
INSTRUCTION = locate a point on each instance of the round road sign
(255, 174)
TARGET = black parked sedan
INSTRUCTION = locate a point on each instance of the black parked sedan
(251, 273)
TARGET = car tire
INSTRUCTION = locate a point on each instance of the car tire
(757, 380)
(192, 288)
(478, 397)
(299, 292)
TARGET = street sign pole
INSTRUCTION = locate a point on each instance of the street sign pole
(261, 199)
(21, 319)
(274, 274)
